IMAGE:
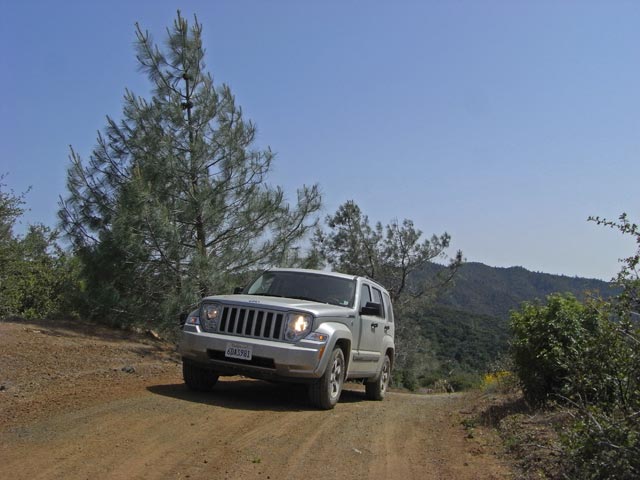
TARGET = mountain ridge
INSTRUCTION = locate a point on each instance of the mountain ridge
(495, 291)
(466, 327)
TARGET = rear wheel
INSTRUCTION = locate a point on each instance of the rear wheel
(325, 393)
(377, 389)
(198, 378)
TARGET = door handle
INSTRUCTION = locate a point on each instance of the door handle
(374, 326)
(386, 329)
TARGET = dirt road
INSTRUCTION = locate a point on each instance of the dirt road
(88, 402)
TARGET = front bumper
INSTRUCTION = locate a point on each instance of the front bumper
(270, 359)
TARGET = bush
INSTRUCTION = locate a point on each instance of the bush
(38, 279)
(461, 381)
(603, 444)
(586, 357)
(547, 339)
(604, 441)
(405, 378)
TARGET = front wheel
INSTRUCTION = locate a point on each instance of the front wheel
(198, 378)
(325, 393)
(377, 389)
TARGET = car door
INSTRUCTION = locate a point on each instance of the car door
(385, 321)
(389, 327)
(371, 330)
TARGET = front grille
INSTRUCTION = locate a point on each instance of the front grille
(248, 322)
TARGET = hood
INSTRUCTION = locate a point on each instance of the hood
(284, 304)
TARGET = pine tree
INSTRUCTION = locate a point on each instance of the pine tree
(174, 197)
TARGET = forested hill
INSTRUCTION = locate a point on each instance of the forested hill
(467, 327)
(494, 291)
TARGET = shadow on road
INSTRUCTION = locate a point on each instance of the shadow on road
(251, 395)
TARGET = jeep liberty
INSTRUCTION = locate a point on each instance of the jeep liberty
(294, 325)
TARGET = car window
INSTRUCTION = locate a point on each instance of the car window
(365, 296)
(388, 307)
(377, 298)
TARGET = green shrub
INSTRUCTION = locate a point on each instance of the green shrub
(547, 339)
(586, 357)
(603, 444)
(38, 279)
(405, 378)
(604, 441)
(461, 381)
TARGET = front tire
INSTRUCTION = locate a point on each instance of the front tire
(325, 393)
(377, 389)
(198, 378)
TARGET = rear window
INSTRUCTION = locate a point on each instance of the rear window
(377, 298)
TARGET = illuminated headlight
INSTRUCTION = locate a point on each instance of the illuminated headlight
(298, 326)
(210, 315)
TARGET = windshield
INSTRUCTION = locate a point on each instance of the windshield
(315, 287)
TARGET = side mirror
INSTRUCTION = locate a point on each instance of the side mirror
(183, 318)
(238, 290)
(372, 308)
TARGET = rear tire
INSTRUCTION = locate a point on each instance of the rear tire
(377, 389)
(198, 378)
(325, 393)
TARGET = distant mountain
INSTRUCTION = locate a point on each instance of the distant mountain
(464, 339)
(467, 327)
(495, 291)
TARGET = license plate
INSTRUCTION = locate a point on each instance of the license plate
(239, 351)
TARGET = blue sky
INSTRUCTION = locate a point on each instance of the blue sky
(503, 123)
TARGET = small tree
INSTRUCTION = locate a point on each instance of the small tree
(10, 210)
(628, 278)
(36, 276)
(174, 197)
(391, 255)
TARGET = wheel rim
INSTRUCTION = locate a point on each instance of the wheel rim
(335, 381)
(384, 378)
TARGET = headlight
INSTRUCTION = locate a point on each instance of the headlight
(210, 315)
(298, 326)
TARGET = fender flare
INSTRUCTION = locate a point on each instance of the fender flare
(338, 334)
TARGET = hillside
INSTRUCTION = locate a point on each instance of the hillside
(495, 291)
(466, 327)
(464, 339)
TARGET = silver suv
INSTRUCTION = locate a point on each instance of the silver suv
(295, 325)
